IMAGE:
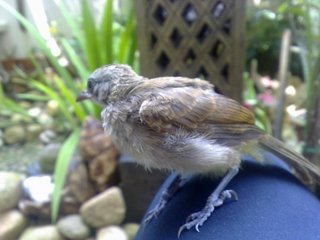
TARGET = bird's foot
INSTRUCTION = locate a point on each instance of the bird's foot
(155, 212)
(197, 219)
(166, 195)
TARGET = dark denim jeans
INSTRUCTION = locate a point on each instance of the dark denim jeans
(272, 205)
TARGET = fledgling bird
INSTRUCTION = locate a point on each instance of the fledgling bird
(181, 124)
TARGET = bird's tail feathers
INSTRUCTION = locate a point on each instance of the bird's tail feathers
(306, 171)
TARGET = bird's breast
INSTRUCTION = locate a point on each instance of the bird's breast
(181, 150)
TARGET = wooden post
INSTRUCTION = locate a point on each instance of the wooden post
(283, 75)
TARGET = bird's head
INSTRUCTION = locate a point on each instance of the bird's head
(109, 83)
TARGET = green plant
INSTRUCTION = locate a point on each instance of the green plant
(265, 26)
(9, 104)
(250, 99)
(91, 46)
(305, 22)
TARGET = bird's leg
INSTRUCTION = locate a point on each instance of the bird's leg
(166, 195)
(216, 199)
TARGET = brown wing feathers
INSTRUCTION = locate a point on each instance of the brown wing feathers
(186, 107)
(188, 103)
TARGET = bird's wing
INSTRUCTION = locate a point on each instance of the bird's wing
(189, 106)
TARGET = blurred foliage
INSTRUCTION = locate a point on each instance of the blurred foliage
(91, 45)
(266, 22)
(8, 103)
(305, 23)
(265, 25)
(251, 101)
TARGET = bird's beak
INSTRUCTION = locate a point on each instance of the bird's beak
(83, 96)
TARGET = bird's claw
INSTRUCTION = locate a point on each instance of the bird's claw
(154, 213)
(197, 219)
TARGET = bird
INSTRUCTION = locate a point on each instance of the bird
(181, 124)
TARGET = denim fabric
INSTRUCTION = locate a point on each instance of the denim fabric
(272, 205)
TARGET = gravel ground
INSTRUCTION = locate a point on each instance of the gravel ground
(17, 158)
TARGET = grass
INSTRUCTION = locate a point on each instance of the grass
(91, 46)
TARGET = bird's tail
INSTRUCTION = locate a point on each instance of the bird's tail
(306, 171)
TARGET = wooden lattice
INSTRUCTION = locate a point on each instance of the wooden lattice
(194, 38)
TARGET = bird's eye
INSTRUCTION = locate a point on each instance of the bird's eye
(90, 85)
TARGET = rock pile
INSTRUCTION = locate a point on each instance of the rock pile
(98, 218)
(92, 204)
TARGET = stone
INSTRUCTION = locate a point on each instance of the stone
(52, 108)
(103, 169)
(112, 232)
(73, 227)
(34, 112)
(12, 224)
(106, 208)
(33, 169)
(98, 150)
(93, 140)
(33, 131)
(47, 136)
(35, 210)
(32, 185)
(42, 211)
(131, 230)
(48, 157)
(48, 232)
(14, 134)
(79, 184)
(18, 118)
(45, 120)
(10, 190)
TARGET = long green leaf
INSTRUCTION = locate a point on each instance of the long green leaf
(39, 69)
(32, 97)
(70, 98)
(74, 26)
(61, 169)
(53, 95)
(132, 49)
(126, 38)
(91, 39)
(106, 33)
(75, 59)
(9, 104)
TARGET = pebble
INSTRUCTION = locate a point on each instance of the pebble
(48, 232)
(12, 224)
(38, 188)
(45, 120)
(112, 232)
(19, 118)
(34, 112)
(52, 108)
(33, 131)
(73, 227)
(48, 157)
(47, 136)
(106, 208)
(14, 134)
(10, 190)
(131, 230)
